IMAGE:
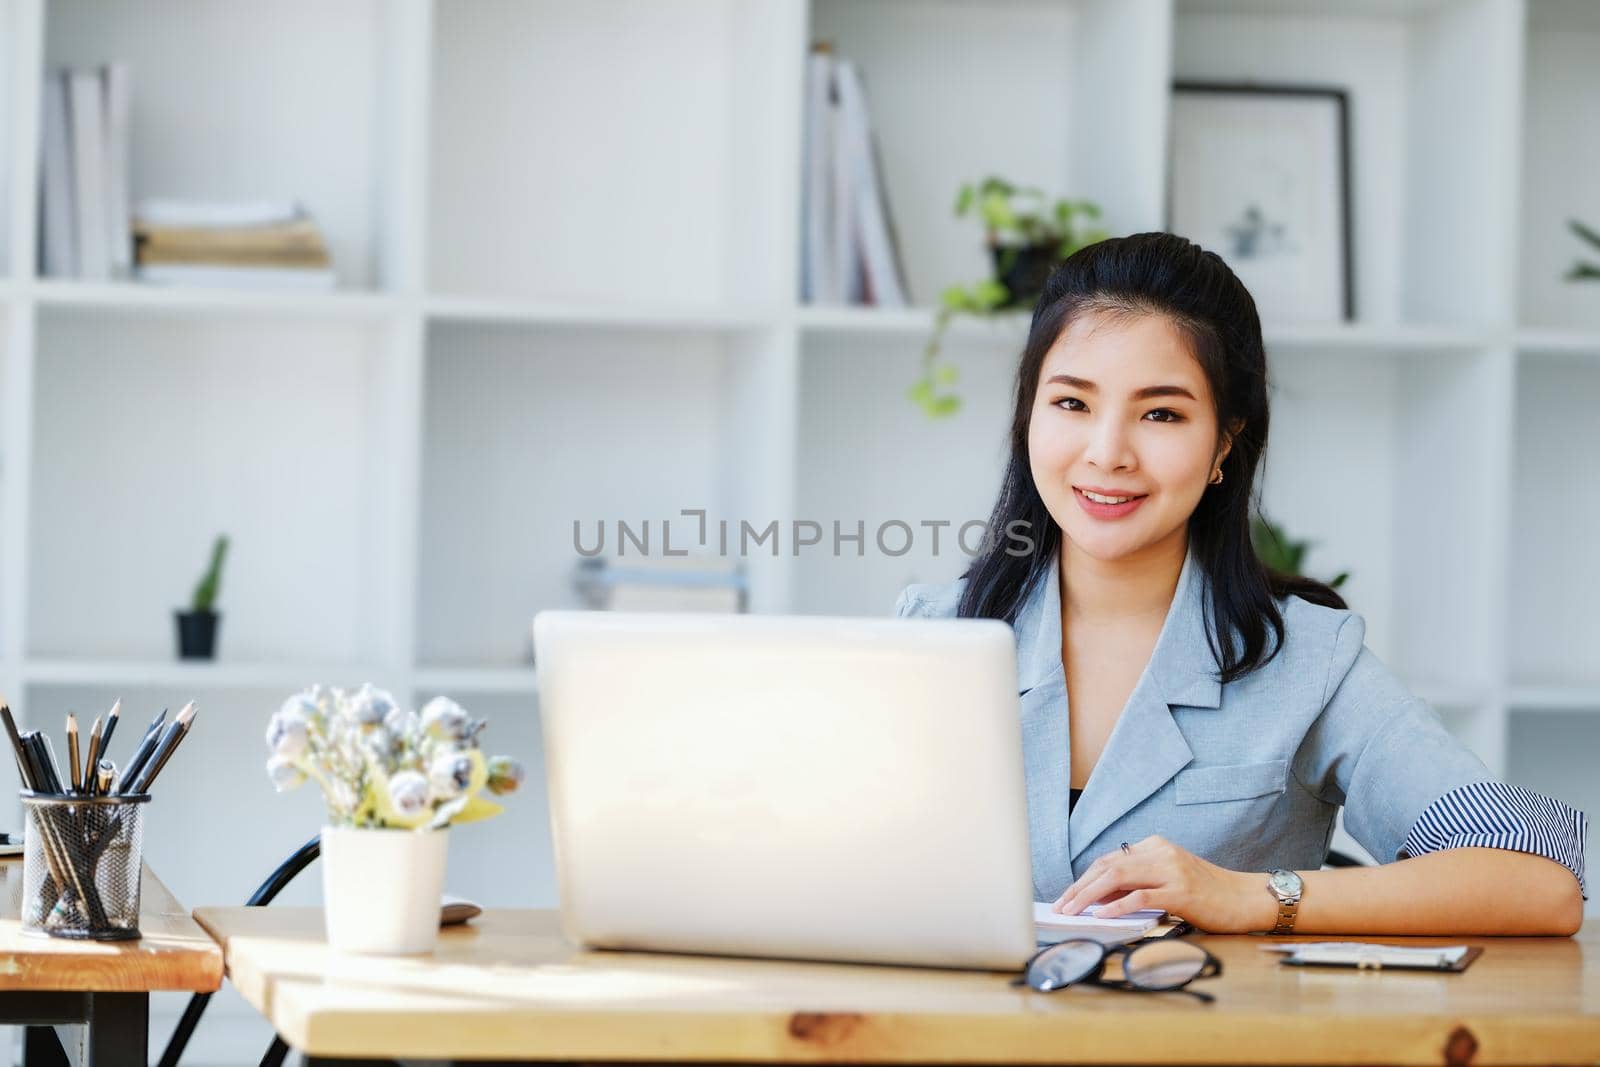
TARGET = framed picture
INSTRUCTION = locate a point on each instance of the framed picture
(1260, 174)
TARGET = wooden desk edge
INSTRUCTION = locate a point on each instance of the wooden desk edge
(1181, 1032)
(175, 955)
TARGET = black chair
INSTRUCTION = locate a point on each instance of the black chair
(277, 1051)
(1335, 859)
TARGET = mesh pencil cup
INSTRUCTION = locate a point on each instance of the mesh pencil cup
(81, 863)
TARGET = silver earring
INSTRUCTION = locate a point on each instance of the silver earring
(1216, 478)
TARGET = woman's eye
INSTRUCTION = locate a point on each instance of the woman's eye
(1067, 403)
(1165, 415)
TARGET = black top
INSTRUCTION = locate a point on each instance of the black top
(1072, 798)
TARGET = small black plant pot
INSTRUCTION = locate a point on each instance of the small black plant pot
(197, 634)
(1023, 269)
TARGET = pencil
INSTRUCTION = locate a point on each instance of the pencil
(91, 758)
(75, 769)
(146, 746)
(171, 738)
(112, 718)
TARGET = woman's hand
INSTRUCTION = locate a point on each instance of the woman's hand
(1155, 873)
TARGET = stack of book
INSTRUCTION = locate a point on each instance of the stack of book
(849, 252)
(267, 244)
(678, 583)
(84, 185)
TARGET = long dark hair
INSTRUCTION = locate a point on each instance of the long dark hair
(1156, 274)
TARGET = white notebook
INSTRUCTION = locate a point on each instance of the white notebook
(1050, 927)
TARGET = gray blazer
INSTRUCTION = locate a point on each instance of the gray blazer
(1248, 775)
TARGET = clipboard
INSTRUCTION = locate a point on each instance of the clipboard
(1365, 957)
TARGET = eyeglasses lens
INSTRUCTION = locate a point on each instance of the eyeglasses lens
(1164, 964)
(1064, 963)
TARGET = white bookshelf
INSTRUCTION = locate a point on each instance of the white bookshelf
(566, 240)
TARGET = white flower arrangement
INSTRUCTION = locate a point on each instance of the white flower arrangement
(382, 766)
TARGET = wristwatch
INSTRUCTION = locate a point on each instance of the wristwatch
(1287, 887)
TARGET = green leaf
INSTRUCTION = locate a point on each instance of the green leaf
(997, 214)
(945, 406)
(921, 391)
(477, 808)
(1584, 232)
(964, 199)
(958, 299)
(990, 294)
(947, 374)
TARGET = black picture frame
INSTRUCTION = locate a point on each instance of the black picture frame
(1192, 215)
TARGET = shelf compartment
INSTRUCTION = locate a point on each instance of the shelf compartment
(528, 430)
(153, 434)
(872, 456)
(1045, 123)
(1372, 462)
(216, 113)
(684, 196)
(1560, 97)
(1427, 84)
(1553, 633)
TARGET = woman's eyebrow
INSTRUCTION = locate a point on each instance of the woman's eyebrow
(1146, 393)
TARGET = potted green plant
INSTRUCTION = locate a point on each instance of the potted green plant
(1584, 270)
(197, 627)
(394, 781)
(1282, 554)
(1027, 236)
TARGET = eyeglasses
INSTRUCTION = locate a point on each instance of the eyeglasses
(1160, 965)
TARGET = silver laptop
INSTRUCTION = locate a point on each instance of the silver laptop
(804, 787)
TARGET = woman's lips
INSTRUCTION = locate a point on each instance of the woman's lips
(1106, 511)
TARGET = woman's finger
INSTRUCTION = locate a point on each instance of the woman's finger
(1118, 876)
(1132, 902)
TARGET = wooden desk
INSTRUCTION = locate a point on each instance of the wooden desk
(508, 987)
(97, 994)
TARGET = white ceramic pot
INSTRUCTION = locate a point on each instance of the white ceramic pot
(381, 889)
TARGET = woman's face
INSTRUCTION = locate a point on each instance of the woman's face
(1123, 410)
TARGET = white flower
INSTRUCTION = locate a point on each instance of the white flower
(408, 791)
(284, 774)
(287, 731)
(505, 775)
(449, 774)
(445, 719)
(370, 705)
(401, 723)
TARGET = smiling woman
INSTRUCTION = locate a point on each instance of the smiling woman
(1215, 716)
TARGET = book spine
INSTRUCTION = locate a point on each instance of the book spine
(87, 121)
(57, 238)
(118, 102)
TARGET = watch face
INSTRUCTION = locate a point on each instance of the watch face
(1286, 882)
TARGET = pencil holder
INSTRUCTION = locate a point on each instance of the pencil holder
(81, 864)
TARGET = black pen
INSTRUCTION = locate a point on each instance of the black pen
(32, 771)
(16, 743)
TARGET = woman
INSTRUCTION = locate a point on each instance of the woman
(1212, 715)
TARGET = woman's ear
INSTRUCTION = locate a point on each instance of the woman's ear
(1235, 428)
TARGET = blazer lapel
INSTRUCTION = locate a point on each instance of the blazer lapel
(1046, 751)
(1146, 748)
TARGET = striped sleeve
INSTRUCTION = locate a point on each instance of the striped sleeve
(1496, 815)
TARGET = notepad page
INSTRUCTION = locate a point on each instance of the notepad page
(1050, 926)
